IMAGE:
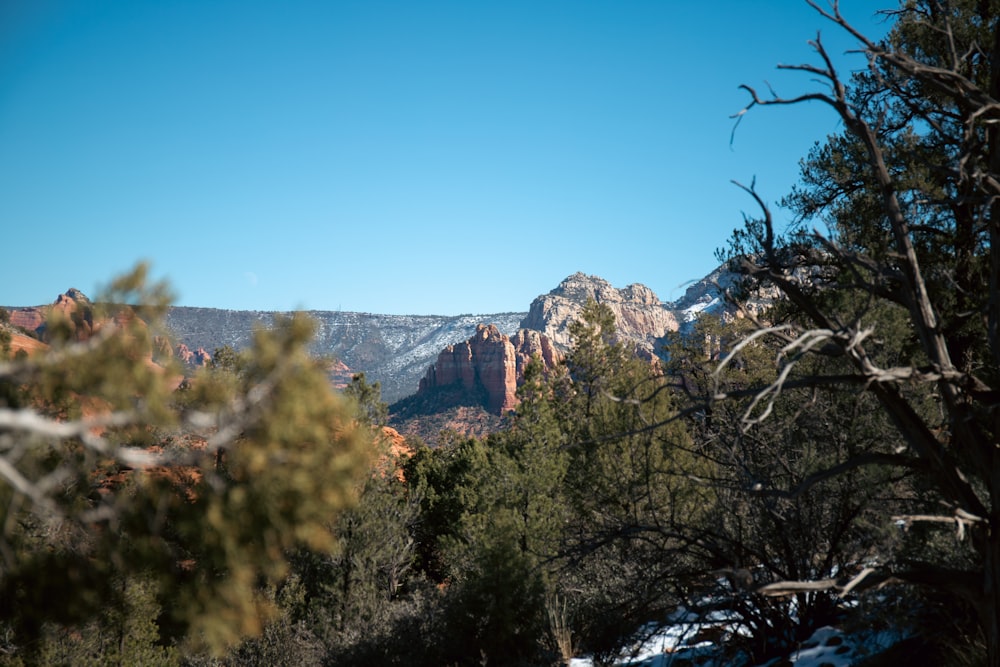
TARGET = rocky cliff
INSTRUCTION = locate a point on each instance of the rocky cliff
(489, 363)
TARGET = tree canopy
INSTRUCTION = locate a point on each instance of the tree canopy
(116, 478)
(904, 288)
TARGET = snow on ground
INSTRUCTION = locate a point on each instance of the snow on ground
(678, 645)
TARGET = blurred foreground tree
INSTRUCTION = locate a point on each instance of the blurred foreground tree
(112, 479)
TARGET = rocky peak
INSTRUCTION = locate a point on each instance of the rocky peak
(486, 361)
(75, 295)
(33, 318)
(640, 315)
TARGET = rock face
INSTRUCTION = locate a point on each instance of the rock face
(486, 361)
(640, 315)
(528, 344)
(490, 362)
(192, 358)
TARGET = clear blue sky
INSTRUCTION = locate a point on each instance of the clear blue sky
(391, 157)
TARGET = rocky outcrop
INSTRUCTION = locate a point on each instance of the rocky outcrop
(339, 373)
(486, 361)
(527, 344)
(393, 455)
(73, 305)
(193, 358)
(73, 314)
(490, 362)
(640, 315)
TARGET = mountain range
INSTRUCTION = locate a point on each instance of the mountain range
(398, 350)
(429, 364)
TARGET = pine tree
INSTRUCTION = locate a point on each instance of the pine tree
(909, 194)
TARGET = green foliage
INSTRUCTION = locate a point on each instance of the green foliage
(123, 634)
(632, 480)
(226, 359)
(892, 317)
(368, 401)
(248, 468)
(442, 479)
(777, 517)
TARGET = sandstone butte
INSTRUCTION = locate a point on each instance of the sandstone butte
(492, 362)
(190, 357)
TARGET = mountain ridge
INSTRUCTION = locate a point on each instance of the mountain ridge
(398, 350)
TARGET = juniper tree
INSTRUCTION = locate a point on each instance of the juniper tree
(910, 192)
(109, 474)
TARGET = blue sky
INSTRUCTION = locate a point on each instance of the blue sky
(391, 157)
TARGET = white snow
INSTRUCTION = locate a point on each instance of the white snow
(693, 311)
(828, 647)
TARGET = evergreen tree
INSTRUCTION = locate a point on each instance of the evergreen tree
(629, 483)
(110, 475)
(368, 401)
(909, 194)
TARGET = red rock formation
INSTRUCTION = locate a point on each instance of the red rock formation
(396, 454)
(528, 344)
(491, 362)
(484, 361)
(339, 373)
(73, 305)
(195, 358)
(76, 309)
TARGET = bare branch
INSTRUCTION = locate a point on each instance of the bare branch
(781, 588)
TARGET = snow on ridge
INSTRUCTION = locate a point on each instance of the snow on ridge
(455, 331)
(693, 311)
